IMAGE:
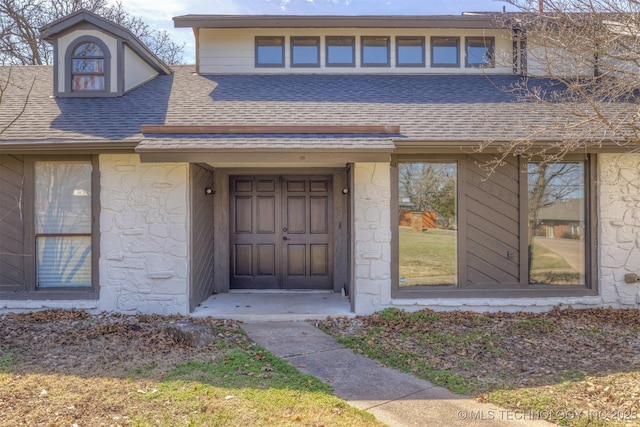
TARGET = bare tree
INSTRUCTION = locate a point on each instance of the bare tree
(20, 21)
(6, 83)
(587, 55)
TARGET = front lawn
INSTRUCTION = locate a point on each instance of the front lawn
(68, 368)
(572, 367)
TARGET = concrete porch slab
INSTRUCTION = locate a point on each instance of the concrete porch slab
(274, 306)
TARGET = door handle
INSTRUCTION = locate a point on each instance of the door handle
(285, 238)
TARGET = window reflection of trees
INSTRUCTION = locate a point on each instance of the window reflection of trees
(427, 236)
(430, 187)
(556, 224)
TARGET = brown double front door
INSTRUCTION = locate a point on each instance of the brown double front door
(281, 232)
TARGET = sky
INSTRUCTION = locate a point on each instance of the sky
(159, 13)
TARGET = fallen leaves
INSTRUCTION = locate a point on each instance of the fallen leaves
(588, 357)
(76, 342)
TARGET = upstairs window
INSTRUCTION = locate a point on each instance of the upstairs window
(479, 52)
(410, 51)
(341, 51)
(375, 51)
(270, 51)
(88, 67)
(445, 51)
(305, 51)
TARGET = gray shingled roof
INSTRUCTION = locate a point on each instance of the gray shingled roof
(428, 108)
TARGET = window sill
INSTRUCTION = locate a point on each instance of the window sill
(532, 291)
(62, 294)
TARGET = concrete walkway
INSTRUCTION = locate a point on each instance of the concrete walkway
(395, 398)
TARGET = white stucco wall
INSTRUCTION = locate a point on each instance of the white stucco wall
(144, 229)
(619, 245)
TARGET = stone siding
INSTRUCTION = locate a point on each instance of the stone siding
(144, 228)
(619, 215)
(372, 236)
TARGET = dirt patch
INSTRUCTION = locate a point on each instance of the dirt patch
(113, 345)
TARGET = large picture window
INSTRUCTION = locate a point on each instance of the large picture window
(427, 229)
(527, 228)
(63, 217)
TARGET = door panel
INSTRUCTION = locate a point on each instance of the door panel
(266, 260)
(254, 232)
(266, 223)
(296, 257)
(319, 210)
(307, 233)
(243, 260)
(319, 260)
(281, 232)
(243, 215)
(296, 215)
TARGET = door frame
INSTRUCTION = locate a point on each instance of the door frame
(340, 221)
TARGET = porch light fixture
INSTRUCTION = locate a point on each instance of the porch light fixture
(209, 191)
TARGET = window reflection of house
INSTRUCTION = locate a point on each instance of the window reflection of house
(562, 219)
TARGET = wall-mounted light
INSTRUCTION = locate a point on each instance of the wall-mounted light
(345, 191)
(209, 191)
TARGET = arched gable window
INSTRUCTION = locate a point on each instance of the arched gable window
(88, 65)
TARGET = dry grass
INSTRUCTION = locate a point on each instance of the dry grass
(67, 368)
(563, 362)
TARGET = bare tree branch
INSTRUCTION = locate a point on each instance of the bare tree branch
(583, 66)
(20, 21)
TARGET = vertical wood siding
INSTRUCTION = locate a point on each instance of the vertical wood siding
(202, 257)
(12, 251)
(493, 226)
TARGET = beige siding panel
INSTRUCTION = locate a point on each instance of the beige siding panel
(232, 50)
(544, 60)
(136, 71)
